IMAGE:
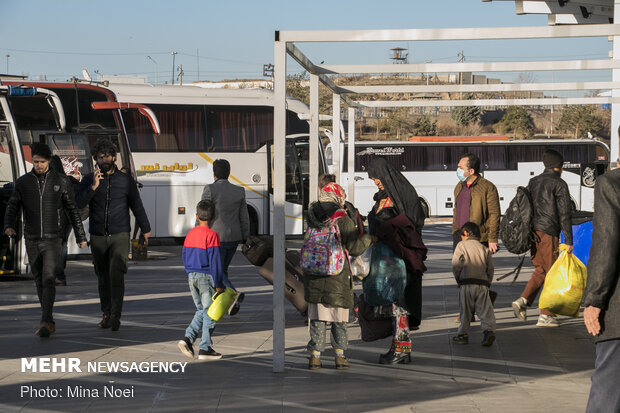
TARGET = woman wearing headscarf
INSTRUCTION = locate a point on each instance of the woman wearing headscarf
(396, 219)
(331, 297)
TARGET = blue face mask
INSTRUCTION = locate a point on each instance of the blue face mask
(460, 174)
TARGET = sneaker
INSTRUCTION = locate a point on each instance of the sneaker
(315, 363)
(105, 321)
(341, 363)
(461, 339)
(489, 338)
(520, 307)
(236, 305)
(186, 347)
(209, 354)
(547, 321)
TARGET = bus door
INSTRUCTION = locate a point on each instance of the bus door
(9, 247)
(73, 149)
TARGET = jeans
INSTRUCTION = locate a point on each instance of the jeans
(110, 260)
(604, 395)
(43, 257)
(202, 288)
(227, 251)
(62, 262)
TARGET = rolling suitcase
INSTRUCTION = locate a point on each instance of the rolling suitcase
(293, 284)
(258, 248)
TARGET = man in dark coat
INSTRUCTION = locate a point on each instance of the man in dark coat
(552, 214)
(602, 296)
(43, 194)
(110, 194)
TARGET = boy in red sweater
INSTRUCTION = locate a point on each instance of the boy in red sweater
(201, 258)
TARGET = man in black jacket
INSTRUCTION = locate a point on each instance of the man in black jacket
(602, 296)
(110, 194)
(42, 194)
(552, 214)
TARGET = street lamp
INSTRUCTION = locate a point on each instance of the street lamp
(156, 73)
(174, 55)
(7, 63)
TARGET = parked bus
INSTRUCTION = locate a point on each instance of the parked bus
(199, 125)
(45, 110)
(430, 165)
(91, 112)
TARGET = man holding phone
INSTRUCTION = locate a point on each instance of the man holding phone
(110, 194)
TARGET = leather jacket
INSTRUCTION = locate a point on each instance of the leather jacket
(43, 203)
(552, 205)
(109, 204)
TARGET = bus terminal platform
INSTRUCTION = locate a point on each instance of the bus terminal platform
(528, 368)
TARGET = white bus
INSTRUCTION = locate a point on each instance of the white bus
(44, 107)
(199, 125)
(430, 165)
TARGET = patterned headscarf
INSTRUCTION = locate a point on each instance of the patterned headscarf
(332, 192)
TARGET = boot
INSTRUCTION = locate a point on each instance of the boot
(105, 321)
(395, 357)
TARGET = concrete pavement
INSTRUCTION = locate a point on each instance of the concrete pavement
(527, 369)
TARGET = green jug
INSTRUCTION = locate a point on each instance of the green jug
(221, 303)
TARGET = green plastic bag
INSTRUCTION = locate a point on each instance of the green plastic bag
(564, 285)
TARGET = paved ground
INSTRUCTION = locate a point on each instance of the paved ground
(528, 369)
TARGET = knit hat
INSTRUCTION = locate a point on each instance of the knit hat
(552, 159)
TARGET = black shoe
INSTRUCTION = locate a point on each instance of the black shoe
(115, 322)
(60, 281)
(234, 309)
(395, 357)
(489, 338)
(209, 354)
(461, 339)
(45, 329)
(105, 321)
(186, 347)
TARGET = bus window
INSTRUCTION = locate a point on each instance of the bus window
(573, 153)
(239, 129)
(79, 112)
(455, 155)
(495, 159)
(436, 159)
(600, 154)
(74, 152)
(524, 153)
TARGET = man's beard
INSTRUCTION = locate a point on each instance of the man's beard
(106, 166)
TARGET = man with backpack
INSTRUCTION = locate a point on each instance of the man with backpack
(551, 207)
(475, 200)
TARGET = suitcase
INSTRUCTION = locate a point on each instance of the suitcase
(258, 248)
(293, 280)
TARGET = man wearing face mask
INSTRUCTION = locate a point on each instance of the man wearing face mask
(476, 200)
(552, 214)
(110, 194)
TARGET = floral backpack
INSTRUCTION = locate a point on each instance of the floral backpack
(322, 252)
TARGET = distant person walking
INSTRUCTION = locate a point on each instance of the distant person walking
(231, 222)
(110, 194)
(475, 200)
(552, 214)
(602, 295)
(43, 195)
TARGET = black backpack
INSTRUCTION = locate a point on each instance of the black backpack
(515, 228)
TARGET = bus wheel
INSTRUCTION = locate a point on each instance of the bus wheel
(253, 221)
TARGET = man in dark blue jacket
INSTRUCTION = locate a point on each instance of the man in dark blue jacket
(110, 194)
(42, 194)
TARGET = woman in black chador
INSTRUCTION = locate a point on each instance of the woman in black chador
(396, 220)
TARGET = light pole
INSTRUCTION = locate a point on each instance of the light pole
(156, 73)
(7, 63)
(174, 55)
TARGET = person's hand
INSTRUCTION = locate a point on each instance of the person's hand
(81, 244)
(97, 177)
(591, 316)
(9, 232)
(146, 236)
(220, 290)
(374, 238)
(569, 249)
(493, 247)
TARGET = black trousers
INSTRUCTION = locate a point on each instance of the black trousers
(604, 395)
(110, 253)
(43, 257)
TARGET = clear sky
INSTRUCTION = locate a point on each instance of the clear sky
(234, 38)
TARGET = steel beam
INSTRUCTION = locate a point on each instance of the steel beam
(489, 102)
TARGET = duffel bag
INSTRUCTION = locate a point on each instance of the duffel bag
(258, 248)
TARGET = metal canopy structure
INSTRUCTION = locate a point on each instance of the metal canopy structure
(287, 42)
(568, 11)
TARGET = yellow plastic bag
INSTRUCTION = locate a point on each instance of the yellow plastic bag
(564, 285)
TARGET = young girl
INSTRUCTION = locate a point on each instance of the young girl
(330, 297)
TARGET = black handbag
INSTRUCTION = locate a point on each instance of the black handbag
(258, 248)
